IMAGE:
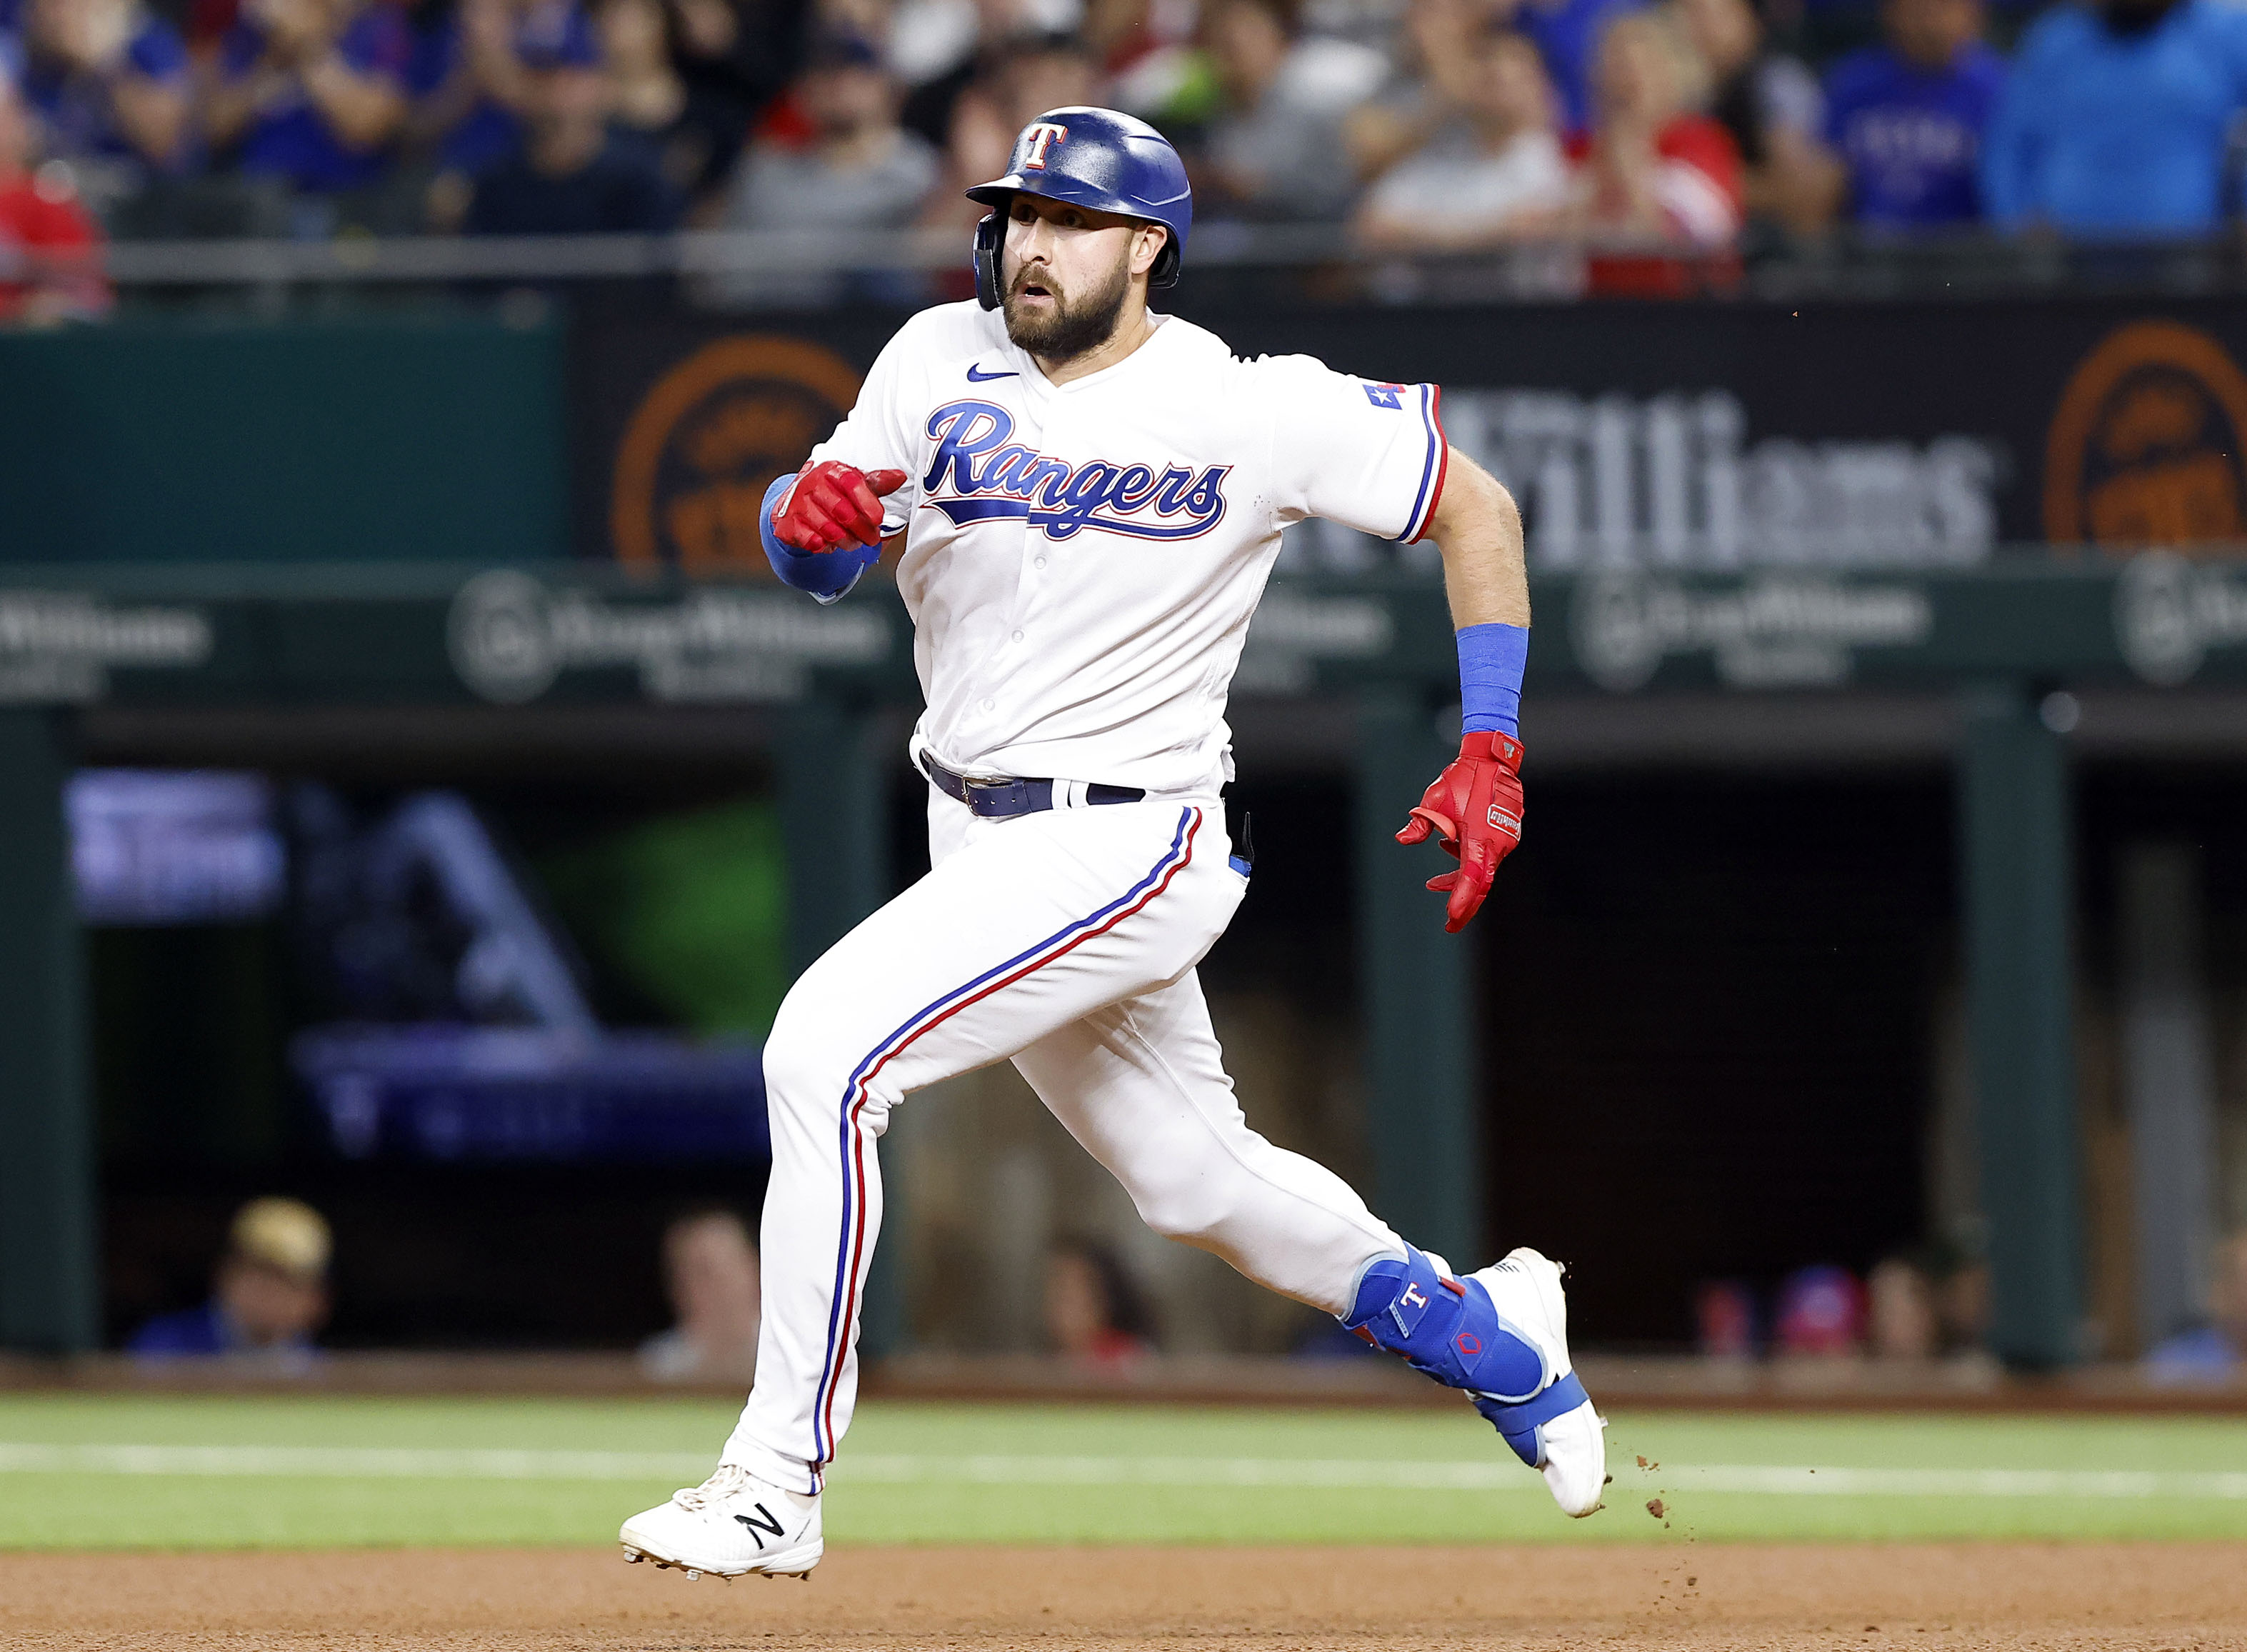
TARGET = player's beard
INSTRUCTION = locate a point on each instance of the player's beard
(1074, 326)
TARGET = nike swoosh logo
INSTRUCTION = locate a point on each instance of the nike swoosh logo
(975, 377)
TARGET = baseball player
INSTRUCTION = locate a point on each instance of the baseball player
(1092, 497)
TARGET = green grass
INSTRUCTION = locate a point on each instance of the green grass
(1077, 1474)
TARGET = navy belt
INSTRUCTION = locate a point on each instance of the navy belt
(1004, 799)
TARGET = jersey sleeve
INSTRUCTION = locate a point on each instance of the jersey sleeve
(1361, 452)
(873, 435)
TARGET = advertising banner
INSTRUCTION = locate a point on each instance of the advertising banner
(1707, 436)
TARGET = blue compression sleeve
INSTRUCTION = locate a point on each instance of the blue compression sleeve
(825, 574)
(1492, 659)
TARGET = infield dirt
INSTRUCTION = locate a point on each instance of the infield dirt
(1132, 1599)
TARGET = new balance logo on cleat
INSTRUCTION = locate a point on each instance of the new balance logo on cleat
(770, 1523)
(718, 1528)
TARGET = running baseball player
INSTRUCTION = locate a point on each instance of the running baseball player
(1092, 497)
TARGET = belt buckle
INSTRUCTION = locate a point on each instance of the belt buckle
(996, 800)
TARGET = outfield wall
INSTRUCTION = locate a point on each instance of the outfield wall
(1776, 534)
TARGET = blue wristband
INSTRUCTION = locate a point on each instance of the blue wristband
(825, 574)
(1492, 659)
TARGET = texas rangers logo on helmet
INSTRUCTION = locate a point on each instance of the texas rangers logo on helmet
(1037, 138)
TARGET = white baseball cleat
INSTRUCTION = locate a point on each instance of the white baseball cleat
(730, 1525)
(1556, 1431)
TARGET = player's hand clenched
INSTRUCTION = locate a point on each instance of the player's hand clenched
(1475, 807)
(834, 506)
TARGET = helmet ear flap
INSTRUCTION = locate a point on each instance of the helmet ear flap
(1165, 270)
(987, 233)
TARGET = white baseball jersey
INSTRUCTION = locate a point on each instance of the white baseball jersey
(1082, 560)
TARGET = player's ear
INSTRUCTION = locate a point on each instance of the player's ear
(1147, 246)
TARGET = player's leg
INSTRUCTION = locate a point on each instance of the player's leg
(1023, 927)
(1141, 1083)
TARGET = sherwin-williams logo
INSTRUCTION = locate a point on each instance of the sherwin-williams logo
(58, 647)
(1770, 632)
(2168, 613)
(706, 442)
(2146, 447)
(511, 637)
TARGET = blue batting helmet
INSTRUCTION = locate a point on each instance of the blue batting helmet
(1093, 158)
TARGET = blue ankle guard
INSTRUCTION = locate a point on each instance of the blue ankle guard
(1516, 1421)
(1448, 1329)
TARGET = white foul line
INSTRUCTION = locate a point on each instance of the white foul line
(296, 1462)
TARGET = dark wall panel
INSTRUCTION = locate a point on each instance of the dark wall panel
(439, 440)
(1706, 1022)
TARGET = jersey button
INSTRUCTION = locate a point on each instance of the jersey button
(990, 704)
(1039, 563)
(1018, 636)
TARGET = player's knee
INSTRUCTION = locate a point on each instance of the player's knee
(803, 1063)
(1187, 1208)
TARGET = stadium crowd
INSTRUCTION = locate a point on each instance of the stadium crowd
(1435, 124)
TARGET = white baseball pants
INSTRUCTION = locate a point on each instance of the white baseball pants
(1066, 940)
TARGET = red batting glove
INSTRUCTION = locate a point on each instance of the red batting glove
(834, 506)
(1475, 806)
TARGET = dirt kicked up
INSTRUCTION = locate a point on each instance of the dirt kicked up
(1123, 1599)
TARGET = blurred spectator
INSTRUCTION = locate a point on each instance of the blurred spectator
(568, 174)
(1437, 45)
(1900, 1311)
(1502, 179)
(861, 170)
(1652, 171)
(1034, 74)
(1568, 34)
(1276, 151)
(2116, 118)
(474, 75)
(650, 100)
(650, 95)
(269, 1295)
(311, 91)
(1146, 55)
(1724, 1321)
(1772, 107)
(48, 244)
(938, 49)
(1370, 22)
(1094, 1312)
(1962, 1298)
(1907, 117)
(1821, 1314)
(735, 58)
(2218, 1351)
(109, 81)
(710, 1275)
